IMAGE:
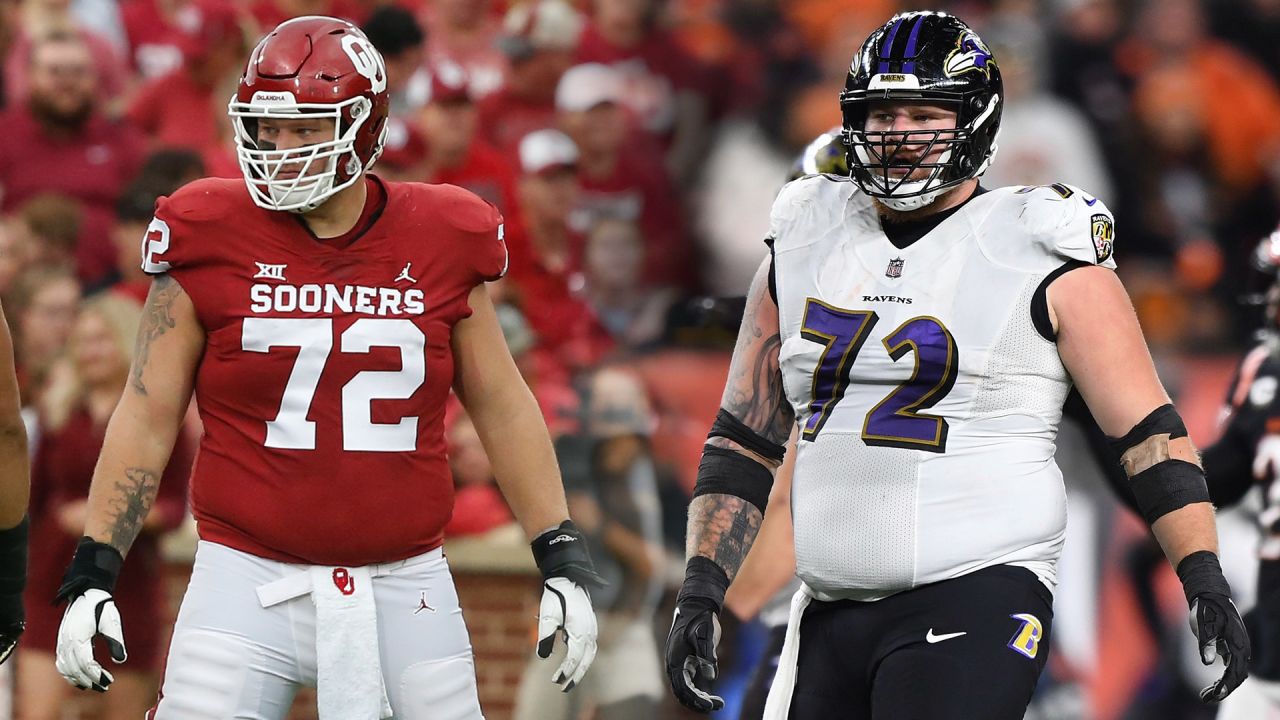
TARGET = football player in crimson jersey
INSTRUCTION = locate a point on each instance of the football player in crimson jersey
(321, 317)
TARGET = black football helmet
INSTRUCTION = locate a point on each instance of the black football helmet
(928, 57)
(1262, 282)
(826, 155)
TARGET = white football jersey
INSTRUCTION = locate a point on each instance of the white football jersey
(927, 399)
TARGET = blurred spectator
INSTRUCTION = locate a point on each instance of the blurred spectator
(748, 162)
(539, 38)
(619, 178)
(15, 256)
(478, 506)
(455, 154)
(633, 312)
(1183, 70)
(50, 225)
(663, 86)
(74, 411)
(104, 17)
(42, 18)
(270, 13)
(1253, 26)
(1210, 118)
(612, 489)
(159, 32)
(556, 398)
(1031, 114)
(43, 313)
(395, 32)
(59, 142)
(133, 214)
(463, 33)
(187, 107)
(169, 169)
(545, 254)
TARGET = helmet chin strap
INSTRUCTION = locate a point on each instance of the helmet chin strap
(915, 202)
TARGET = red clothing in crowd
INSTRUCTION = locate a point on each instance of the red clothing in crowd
(92, 167)
(565, 324)
(155, 39)
(176, 111)
(268, 13)
(484, 65)
(652, 73)
(638, 190)
(404, 150)
(60, 476)
(505, 118)
(485, 172)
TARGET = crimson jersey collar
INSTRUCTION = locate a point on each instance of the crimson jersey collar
(375, 202)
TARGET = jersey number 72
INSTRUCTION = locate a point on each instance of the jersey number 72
(291, 430)
(895, 421)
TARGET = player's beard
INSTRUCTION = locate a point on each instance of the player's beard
(58, 119)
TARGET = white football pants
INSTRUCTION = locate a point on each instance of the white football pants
(231, 658)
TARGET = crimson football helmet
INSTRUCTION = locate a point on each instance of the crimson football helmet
(313, 66)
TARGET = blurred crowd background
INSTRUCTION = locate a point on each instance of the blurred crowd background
(635, 147)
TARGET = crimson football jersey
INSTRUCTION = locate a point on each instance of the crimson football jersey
(325, 371)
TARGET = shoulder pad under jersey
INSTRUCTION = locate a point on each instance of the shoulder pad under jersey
(172, 238)
(805, 207)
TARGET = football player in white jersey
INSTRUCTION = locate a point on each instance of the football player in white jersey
(923, 333)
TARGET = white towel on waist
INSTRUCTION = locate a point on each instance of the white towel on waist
(778, 705)
(349, 683)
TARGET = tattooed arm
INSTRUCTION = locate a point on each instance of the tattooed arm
(146, 423)
(723, 527)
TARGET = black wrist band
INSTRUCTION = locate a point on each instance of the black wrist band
(562, 552)
(1200, 573)
(704, 578)
(96, 566)
(13, 558)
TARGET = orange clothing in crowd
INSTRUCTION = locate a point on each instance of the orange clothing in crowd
(1244, 140)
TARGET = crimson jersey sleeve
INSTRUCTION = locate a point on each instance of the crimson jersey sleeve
(479, 226)
(171, 241)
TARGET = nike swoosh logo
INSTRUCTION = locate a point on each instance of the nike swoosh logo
(1091, 202)
(931, 638)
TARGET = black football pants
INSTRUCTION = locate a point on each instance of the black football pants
(971, 648)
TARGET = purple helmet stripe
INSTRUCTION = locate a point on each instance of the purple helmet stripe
(886, 50)
(909, 67)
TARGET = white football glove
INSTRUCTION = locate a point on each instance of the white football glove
(566, 609)
(89, 615)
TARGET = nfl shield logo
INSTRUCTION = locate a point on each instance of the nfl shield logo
(895, 268)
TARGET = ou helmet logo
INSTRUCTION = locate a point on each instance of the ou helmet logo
(368, 62)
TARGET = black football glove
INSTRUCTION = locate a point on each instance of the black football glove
(13, 580)
(1215, 621)
(695, 631)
